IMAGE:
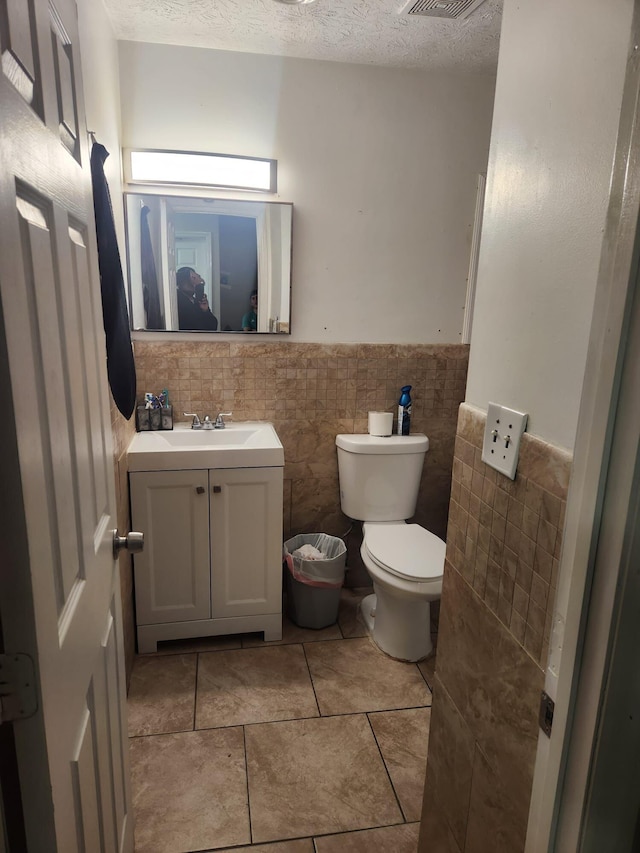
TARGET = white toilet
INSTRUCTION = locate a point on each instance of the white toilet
(379, 482)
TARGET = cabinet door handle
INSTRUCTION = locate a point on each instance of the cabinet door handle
(217, 489)
(200, 490)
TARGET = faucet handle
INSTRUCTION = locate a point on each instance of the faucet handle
(196, 420)
(220, 422)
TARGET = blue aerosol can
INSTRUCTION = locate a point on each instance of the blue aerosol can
(404, 410)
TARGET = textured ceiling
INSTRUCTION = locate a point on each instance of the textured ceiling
(372, 32)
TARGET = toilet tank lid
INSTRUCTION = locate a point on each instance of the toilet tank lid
(383, 444)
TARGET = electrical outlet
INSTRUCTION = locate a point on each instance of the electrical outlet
(502, 434)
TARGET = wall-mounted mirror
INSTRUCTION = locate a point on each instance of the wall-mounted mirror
(206, 264)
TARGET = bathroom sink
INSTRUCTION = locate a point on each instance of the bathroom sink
(249, 444)
(209, 438)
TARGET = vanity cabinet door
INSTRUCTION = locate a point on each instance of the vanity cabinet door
(246, 541)
(172, 576)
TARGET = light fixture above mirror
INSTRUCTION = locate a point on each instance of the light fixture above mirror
(198, 169)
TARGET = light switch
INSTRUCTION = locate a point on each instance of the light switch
(502, 435)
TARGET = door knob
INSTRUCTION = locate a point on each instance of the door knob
(133, 542)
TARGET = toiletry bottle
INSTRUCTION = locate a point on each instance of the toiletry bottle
(404, 410)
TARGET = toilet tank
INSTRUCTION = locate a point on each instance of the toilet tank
(380, 475)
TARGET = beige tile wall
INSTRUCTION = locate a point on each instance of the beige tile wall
(503, 544)
(276, 381)
(505, 535)
(312, 392)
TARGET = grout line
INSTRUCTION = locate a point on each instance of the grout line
(246, 777)
(424, 678)
(319, 716)
(354, 831)
(376, 711)
(164, 734)
(316, 717)
(386, 769)
(259, 723)
(160, 655)
(313, 687)
(195, 690)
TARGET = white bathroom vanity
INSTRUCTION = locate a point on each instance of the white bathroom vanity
(209, 503)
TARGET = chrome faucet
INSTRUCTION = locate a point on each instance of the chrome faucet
(196, 420)
(220, 424)
(207, 423)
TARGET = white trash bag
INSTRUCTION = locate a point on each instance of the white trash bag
(316, 559)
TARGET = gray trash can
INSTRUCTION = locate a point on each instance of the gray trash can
(313, 585)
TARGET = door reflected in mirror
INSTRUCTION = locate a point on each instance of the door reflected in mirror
(204, 264)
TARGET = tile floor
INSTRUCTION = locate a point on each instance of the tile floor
(313, 744)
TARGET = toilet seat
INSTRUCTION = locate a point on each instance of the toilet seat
(407, 551)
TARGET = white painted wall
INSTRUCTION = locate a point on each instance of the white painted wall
(381, 165)
(557, 106)
(99, 56)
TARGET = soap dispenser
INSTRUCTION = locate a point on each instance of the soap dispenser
(404, 410)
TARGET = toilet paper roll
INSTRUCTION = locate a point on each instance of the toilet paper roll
(380, 423)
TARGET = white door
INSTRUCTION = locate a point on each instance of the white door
(168, 266)
(194, 250)
(59, 598)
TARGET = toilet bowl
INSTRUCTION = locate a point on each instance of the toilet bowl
(379, 483)
(406, 564)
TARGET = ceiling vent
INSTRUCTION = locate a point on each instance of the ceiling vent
(451, 9)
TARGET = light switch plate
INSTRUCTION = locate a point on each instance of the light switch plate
(501, 445)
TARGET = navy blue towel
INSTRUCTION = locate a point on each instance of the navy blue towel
(121, 368)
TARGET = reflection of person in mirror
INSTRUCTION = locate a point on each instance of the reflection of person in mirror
(193, 306)
(250, 319)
